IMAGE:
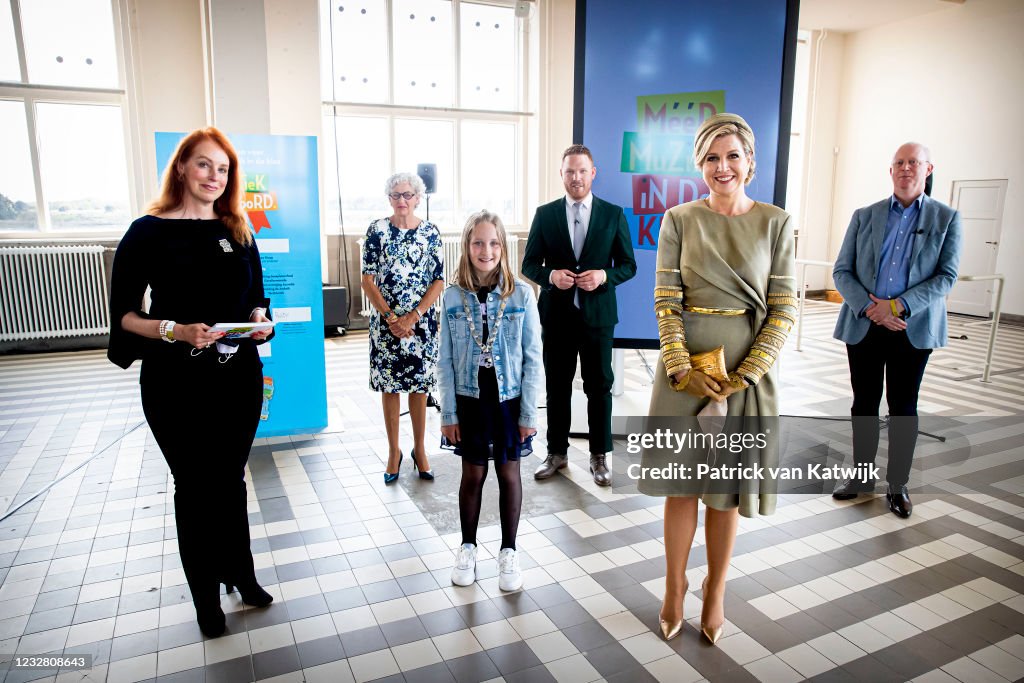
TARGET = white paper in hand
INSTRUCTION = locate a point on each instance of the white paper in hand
(241, 330)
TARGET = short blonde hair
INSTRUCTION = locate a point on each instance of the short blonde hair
(721, 125)
(465, 276)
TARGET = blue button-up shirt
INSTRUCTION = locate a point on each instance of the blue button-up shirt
(898, 244)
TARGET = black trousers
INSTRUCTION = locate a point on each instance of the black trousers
(204, 415)
(567, 338)
(886, 355)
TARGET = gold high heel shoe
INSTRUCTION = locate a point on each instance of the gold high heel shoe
(671, 629)
(712, 633)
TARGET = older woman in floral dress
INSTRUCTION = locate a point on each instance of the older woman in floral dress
(403, 274)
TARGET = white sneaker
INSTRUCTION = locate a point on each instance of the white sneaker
(509, 576)
(464, 571)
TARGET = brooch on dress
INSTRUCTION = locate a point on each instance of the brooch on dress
(225, 245)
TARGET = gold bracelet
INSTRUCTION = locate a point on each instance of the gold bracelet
(681, 386)
(892, 306)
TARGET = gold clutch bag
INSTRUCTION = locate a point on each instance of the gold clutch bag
(711, 363)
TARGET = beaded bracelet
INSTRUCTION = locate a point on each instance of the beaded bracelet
(167, 331)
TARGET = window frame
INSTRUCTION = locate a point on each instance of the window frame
(456, 114)
(31, 94)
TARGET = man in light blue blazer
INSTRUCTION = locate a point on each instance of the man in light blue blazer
(898, 261)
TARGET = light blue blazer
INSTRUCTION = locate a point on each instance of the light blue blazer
(934, 261)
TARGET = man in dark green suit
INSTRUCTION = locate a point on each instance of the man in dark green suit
(579, 249)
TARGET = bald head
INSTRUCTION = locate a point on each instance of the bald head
(911, 166)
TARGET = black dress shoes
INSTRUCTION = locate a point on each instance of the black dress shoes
(551, 464)
(899, 501)
(851, 488)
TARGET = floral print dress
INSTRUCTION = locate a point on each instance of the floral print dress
(403, 263)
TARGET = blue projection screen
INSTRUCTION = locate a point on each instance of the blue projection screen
(648, 72)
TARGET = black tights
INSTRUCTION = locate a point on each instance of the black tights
(510, 499)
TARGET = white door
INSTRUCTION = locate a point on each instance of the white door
(980, 203)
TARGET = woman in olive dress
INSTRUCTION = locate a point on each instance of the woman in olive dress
(724, 278)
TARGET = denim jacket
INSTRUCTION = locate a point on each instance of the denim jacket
(517, 351)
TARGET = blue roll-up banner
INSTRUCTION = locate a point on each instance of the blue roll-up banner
(282, 200)
(648, 73)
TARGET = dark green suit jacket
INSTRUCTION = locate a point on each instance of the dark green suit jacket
(608, 247)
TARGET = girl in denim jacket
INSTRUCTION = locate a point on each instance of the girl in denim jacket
(489, 375)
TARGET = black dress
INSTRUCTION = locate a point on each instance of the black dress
(203, 408)
(489, 428)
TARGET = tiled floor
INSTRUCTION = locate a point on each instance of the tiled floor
(820, 590)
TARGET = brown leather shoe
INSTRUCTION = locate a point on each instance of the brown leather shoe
(551, 464)
(599, 468)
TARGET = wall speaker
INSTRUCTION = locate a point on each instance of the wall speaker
(428, 172)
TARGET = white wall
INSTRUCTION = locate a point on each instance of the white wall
(241, 93)
(825, 80)
(951, 80)
(293, 66)
(554, 110)
(167, 44)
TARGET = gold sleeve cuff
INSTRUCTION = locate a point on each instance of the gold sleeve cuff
(668, 309)
(767, 344)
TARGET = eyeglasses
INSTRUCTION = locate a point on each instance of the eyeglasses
(909, 163)
(402, 195)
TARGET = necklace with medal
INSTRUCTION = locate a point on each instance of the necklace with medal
(486, 358)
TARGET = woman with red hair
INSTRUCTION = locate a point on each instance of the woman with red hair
(201, 395)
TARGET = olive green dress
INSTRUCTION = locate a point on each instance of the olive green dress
(710, 261)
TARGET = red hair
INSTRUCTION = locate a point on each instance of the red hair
(228, 206)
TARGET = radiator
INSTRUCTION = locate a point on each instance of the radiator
(54, 291)
(452, 252)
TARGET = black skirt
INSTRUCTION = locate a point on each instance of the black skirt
(489, 428)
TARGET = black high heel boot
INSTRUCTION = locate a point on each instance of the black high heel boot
(252, 593)
(211, 619)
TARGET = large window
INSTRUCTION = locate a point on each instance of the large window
(62, 118)
(798, 131)
(409, 82)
